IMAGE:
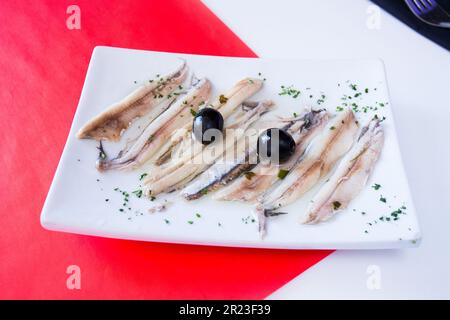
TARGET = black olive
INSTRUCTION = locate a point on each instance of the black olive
(207, 125)
(277, 150)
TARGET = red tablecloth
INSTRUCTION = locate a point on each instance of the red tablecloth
(42, 69)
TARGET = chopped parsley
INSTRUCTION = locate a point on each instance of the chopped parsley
(282, 174)
(248, 219)
(332, 127)
(193, 112)
(142, 176)
(383, 199)
(322, 99)
(336, 205)
(137, 193)
(249, 175)
(166, 221)
(376, 186)
(289, 91)
(393, 216)
(223, 99)
(190, 222)
(198, 215)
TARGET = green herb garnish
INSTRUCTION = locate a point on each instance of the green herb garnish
(142, 176)
(193, 112)
(137, 193)
(249, 175)
(336, 205)
(289, 91)
(223, 99)
(376, 186)
(282, 174)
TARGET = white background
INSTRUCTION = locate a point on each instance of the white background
(418, 74)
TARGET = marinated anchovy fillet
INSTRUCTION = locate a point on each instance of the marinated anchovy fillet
(222, 173)
(150, 99)
(350, 177)
(225, 170)
(336, 139)
(179, 177)
(190, 147)
(158, 132)
(251, 185)
(182, 144)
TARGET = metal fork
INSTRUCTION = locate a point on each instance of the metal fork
(430, 12)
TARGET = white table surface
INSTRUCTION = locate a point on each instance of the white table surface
(418, 74)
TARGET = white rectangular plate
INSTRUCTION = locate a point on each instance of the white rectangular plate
(77, 202)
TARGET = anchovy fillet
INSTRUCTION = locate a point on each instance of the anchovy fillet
(150, 99)
(226, 170)
(220, 175)
(156, 133)
(182, 145)
(336, 139)
(249, 187)
(350, 177)
(209, 154)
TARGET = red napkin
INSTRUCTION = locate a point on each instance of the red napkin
(42, 69)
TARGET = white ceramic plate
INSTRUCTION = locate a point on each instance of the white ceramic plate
(77, 202)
